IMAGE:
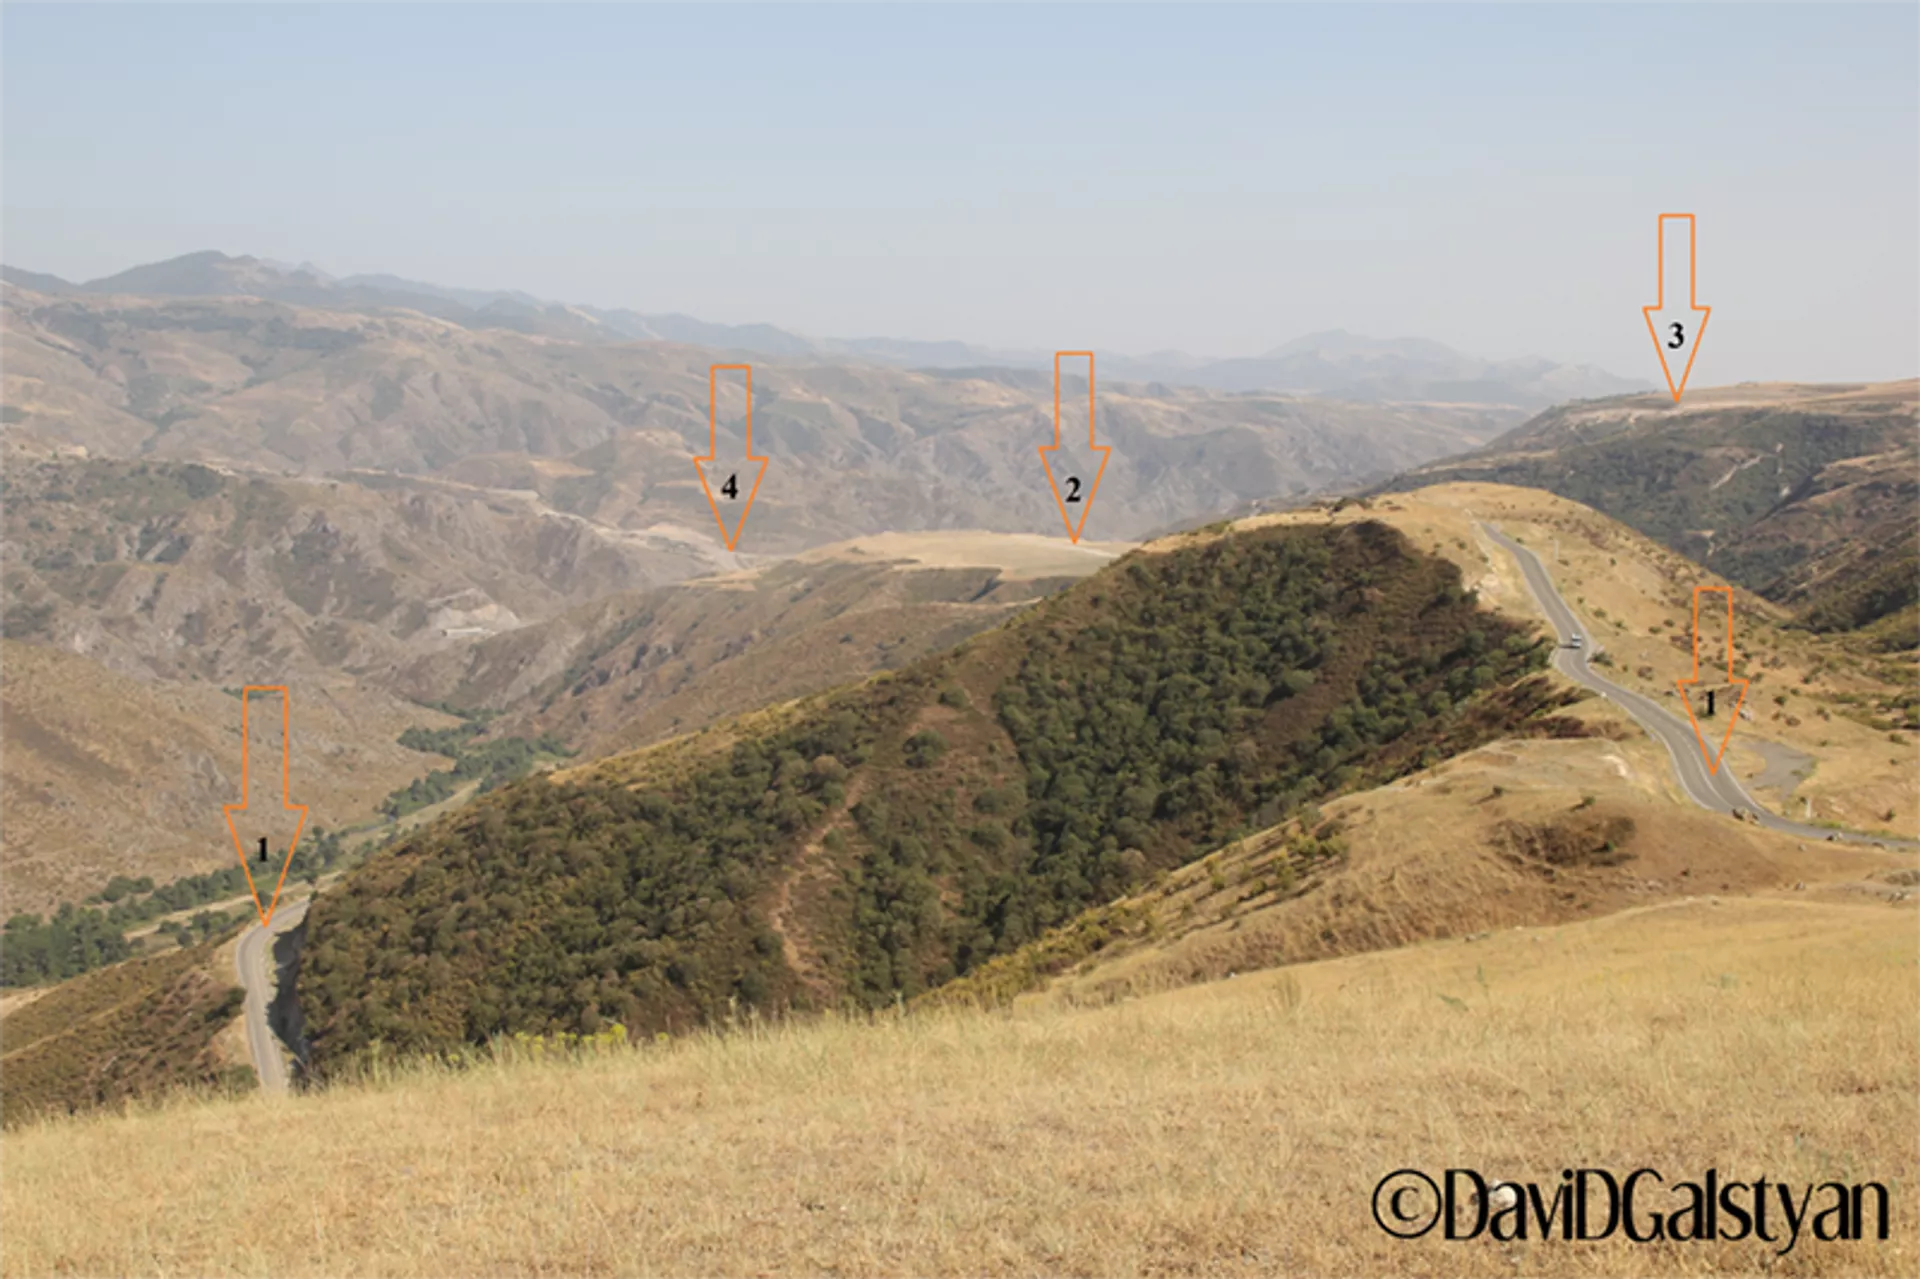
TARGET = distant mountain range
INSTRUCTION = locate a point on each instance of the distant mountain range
(1334, 363)
(604, 430)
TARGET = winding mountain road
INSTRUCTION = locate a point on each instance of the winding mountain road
(1721, 791)
(253, 960)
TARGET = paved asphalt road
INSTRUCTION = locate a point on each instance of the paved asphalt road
(254, 961)
(1720, 791)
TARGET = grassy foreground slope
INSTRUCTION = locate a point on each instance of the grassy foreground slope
(880, 840)
(1237, 1128)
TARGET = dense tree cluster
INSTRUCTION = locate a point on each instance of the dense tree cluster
(560, 908)
(955, 810)
(1193, 697)
(495, 763)
(74, 941)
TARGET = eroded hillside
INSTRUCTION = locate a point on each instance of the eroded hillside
(182, 571)
(605, 430)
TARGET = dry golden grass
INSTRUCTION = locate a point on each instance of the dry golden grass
(1431, 856)
(1016, 555)
(1831, 397)
(1233, 1128)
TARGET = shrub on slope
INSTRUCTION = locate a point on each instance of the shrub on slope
(132, 1030)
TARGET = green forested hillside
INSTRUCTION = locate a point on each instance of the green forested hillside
(885, 838)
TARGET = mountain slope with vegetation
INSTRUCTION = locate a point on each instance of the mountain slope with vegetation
(878, 841)
(1776, 487)
(136, 1029)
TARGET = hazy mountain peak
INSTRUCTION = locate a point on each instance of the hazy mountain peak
(208, 272)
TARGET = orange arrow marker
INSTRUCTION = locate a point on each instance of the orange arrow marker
(1712, 757)
(1072, 491)
(726, 497)
(246, 793)
(1676, 332)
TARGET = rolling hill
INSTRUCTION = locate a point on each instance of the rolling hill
(871, 842)
(881, 839)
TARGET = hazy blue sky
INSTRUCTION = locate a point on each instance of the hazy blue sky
(1218, 180)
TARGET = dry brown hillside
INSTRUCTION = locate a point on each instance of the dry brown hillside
(107, 774)
(606, 429)
(184, 571)
(633, 668)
